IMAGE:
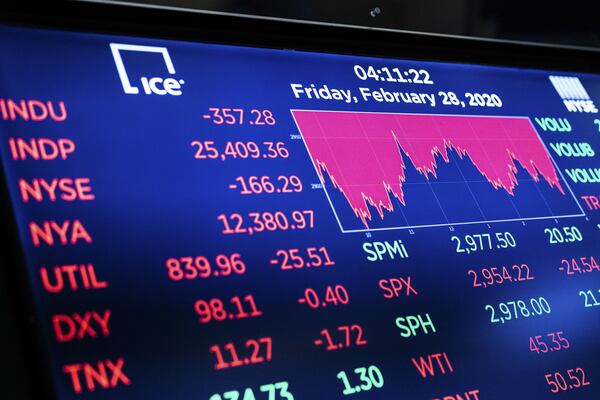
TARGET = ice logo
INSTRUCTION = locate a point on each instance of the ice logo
(574, 95)
(157, 85)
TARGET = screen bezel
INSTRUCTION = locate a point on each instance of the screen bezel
(244, 31)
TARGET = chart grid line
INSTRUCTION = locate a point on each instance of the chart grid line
(484, 220)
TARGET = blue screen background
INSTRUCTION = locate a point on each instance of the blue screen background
(154, 201)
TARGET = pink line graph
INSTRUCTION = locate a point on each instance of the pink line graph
(362, 152)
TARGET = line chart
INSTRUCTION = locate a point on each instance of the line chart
(392, 170)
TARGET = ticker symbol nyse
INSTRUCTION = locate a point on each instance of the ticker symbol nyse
(574, 95)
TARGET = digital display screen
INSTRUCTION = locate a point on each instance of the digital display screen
(205, 221)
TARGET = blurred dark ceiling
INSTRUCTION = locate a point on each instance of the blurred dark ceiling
(538, 21)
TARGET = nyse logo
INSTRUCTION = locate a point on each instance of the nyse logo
(574, 95)
(153, 85)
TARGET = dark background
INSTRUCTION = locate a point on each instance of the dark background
(538, 21)
(545, 22)
(12, 382)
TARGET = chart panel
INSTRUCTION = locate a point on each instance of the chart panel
(363, 156)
